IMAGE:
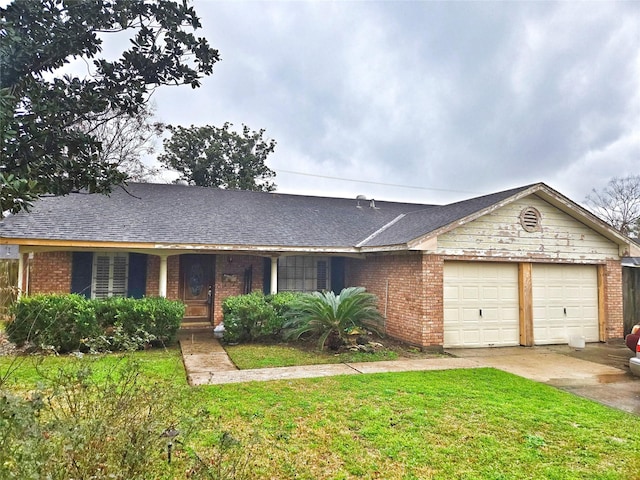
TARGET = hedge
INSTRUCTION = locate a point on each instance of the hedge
(255, 316)
(72, 322)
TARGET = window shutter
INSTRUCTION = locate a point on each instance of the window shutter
(266, 275)
(81, 266)
(137, 287)
(337, 274)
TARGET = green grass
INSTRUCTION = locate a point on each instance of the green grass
(155, 365)
(250, 356)
(471, 424)
(462, 424)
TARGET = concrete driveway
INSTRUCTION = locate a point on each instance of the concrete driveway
(599, 372)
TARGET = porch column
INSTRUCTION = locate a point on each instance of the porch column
(162, 291)
(20, 274)
(274, 275)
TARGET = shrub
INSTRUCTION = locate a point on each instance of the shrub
(244, 317)
(71, 322)
(163, 317)
(80, 425)
(255, 316)
(58, 321)
(281, 303)
(155, 318)
(333, 317)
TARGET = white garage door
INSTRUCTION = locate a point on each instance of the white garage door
(565, 303)
(480, 304)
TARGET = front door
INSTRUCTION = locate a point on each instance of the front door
(196, 288)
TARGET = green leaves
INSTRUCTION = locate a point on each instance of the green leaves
(209, 156)
(40, 109)
(16, 193)
(71, 322)
(326, 314)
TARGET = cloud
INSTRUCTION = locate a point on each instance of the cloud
(458, 96)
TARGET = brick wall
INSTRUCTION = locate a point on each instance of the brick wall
(397, 281)
(614, 327)
(433, 274)
(50, 272)
(173, 276)
(230, 279)
(409, 288)
(153, 276)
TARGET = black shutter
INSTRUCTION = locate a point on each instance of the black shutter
(266, 276)
(81, 269)
(137, 287)
(337, 274)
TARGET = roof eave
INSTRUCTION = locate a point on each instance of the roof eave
(27, 244)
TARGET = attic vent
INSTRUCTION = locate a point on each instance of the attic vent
(530, 219)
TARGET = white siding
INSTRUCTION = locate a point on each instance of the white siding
(499, 234)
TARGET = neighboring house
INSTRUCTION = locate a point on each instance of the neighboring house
(631, 290)
(520, 267)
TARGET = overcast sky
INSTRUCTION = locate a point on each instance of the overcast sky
(455, 98)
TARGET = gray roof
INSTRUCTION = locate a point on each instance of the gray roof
(179, 214)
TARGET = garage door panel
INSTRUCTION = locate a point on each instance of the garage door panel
(565, 303)
(471, 288)
(471, 337)
(470, 293)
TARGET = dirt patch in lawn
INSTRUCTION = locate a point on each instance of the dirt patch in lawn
(8, 348)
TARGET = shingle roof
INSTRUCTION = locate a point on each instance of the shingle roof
(421, 222)
(178, 214)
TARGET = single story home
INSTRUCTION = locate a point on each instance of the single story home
(526, 266)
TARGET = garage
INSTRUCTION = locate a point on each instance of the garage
(565, 303)
(480, 304)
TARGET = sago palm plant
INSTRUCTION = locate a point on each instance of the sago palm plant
(328, 315)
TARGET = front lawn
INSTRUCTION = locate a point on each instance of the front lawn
(471, 424)
(248, 356)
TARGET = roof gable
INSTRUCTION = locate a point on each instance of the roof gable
(501, 233)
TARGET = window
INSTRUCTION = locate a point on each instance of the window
(303, 274)
(110, 275)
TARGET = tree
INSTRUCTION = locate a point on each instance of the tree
(42, 148)
(124, 139)
(219, 157)
(618, 203)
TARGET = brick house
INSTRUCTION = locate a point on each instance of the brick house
(521, 267)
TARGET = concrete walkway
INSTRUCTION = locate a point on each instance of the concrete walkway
(207, 363)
